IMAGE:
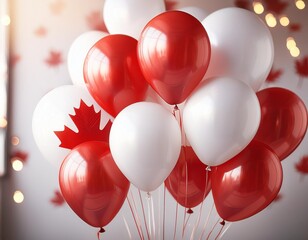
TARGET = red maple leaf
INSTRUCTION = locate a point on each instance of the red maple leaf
(274, 75)
(40, 31)
(20, 155)
(54, 58)
(57, 198)
(170, 5)
(87, 122)
(56, 7)
(96, 22)
(243, 4)
(302, 165)
(276, 6)
(14, 59)
(294, 27)
(301, 67)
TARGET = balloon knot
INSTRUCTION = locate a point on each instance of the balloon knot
(149, 195)
(223, 222)
(208, 168)
(190, 211)
(176, 107)
(101, 230)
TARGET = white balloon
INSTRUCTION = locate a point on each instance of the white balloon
(220, 119)
(145, 142)
(77, 54)
(52, 114)
(241, 46)
(197, 12)
(129, 17)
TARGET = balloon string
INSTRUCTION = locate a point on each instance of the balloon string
(185, 224)
(127, 228)
(137, 215)
(164, 212)
(135, 219)
(186, 191)
(151, 215)
(226, 229)
(175, 222)
(143, 212)
(153, 218)
(177, 114)
(101, 230)
(223, 223)
(206, 221)
(201, 206)
(182, 129)
(208, 236)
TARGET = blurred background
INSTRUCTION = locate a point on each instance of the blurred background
(40, 34)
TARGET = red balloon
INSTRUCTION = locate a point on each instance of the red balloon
(247, 183)
(174, 54)
(283, 120)
(188, 182)
(112, 73)
(92, 184)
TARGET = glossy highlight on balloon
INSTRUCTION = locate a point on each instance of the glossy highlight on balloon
(283, 120)
(174, 53)
(189, 182)
(92, 184)
(112, 73)
(247, 183)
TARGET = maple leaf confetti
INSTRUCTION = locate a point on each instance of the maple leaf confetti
(274, 75)
(14, 59)
(40, 31)
(302, 166)
(301, 67)
(56, 7)
(243, 4)
(96, 22)
(170, 5)
(20, 155)
(54, 59)
(87, 122)
(294, 27)
(276, 6)
(57, 199)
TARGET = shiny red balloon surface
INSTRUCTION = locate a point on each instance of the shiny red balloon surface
(92, 184)
(283, 120)
(247, 183)
(174, 54)
(189, 182)
(112, 73)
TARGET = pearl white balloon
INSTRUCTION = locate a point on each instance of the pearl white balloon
(129, 17)
(197, 12)
(77, 54)
(52, 114)
(241, 46)
(220, 119)
(145, 142)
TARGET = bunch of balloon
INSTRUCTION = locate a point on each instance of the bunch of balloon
(240, 131)
(222, 134)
